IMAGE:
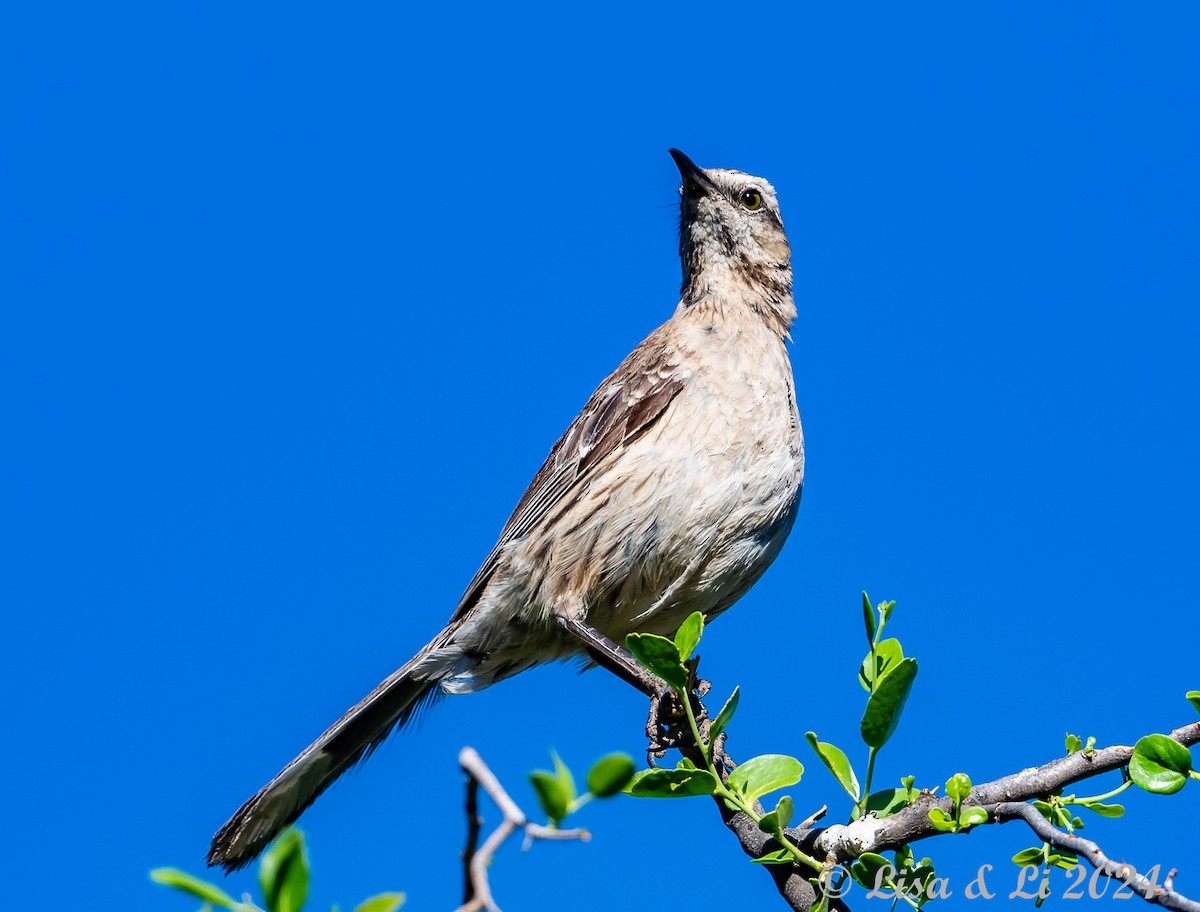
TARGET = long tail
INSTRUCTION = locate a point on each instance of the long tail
(348, 740)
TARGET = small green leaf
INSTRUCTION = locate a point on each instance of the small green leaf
(1160, 764)
(972, 816)
(383, 902)
(660, 656)
(1045, 809)
(765, 773)
(958, 787)
(610, 774)
(668, 783)
(869, 619)
(784, 810)
(865, 869)
(779, 856)
(836, 762)
(887, 703)
(563, 774)
(885, 803)
(1028, 857)
(1077, 823)
(550, 795)
(1065, 860)
(283, 873)
(1073, 743)
(940, 820)
(688, 636)
(724, 716)
(888, 654)
(886, 609)
(1105, 810)
(769, 823)
(194, 886)
(1193, 697)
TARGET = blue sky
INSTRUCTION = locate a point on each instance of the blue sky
(297, 298)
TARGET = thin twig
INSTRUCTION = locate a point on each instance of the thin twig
(476, 862)
(474, 823)
(1091, 852)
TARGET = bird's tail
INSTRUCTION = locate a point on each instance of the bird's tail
(351, 738)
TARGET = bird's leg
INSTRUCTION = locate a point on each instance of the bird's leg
(662, 724)
(664, 705)
(665, 724)
(615, 658)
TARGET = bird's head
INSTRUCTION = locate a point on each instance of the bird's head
(731, 239)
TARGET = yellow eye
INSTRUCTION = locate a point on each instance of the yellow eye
(751, 199)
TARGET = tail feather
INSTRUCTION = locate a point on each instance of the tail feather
(354, 736)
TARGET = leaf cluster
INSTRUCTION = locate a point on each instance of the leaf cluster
(283, 874)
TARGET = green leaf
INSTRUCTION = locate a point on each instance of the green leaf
(765, 773)
(972, 816)
(784, 810)
(1073, 743)
(610, 774)
(283, 873)
(886, 609)
(769, 823)
(1065, 860)
(888, 654)
(777, 820)
(779, 856)
(884, 803)
(550, 795)
(941, 820)
(688, 636)
(836, 762)
(1193, 697)
(958, 787)
(865, 869)
(1045, 809)
(660, 656)
(563, 774)
(724, 716)
(887, 703)
(1160, 764)
(869, 619)
(1105, 810)
(194, 886)
(384, 902)
(668, 783)
(1028, 857)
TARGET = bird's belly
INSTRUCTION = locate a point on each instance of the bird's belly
(699, 535)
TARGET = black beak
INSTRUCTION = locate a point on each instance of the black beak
(695, 182)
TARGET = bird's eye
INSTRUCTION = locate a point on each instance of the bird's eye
(751, 199)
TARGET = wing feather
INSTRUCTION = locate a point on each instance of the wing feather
(624, 407)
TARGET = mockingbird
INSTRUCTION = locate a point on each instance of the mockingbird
(671, 492)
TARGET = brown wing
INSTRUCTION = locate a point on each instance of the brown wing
(627, 403)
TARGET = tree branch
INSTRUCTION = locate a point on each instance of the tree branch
(1086, 849)
(870, 834)
(843, 843)
(478, 892)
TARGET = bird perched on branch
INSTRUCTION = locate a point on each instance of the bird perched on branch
(671, 492)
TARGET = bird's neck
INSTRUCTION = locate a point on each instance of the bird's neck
(766, 293)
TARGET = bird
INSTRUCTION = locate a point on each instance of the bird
(671, 492)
